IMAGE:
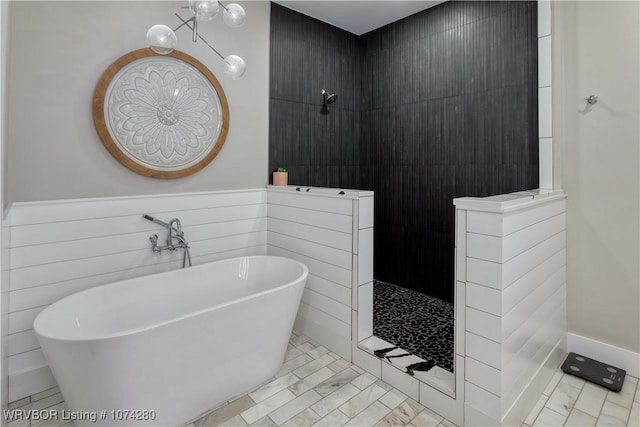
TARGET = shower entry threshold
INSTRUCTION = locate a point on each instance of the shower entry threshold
(411, 365)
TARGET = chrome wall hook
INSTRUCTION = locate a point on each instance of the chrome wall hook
(592, 99)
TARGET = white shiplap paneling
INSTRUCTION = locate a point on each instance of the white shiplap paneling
(326, 232)
(62, 247)
(334, 239)
(310, 249)
(320, 219)
(504, 224)
(502, 249)
(67, 210)
(309, 201)
(515, 283)
(316, 267)
(501, 275)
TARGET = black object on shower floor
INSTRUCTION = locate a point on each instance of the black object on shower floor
(415, 322)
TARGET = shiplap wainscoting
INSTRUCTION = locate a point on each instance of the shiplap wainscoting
(62, 247)
(333, 235)
(511, 265)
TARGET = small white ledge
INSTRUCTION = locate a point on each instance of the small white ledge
(321, 191)
(504, 203)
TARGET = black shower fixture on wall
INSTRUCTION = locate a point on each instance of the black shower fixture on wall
(327, 99)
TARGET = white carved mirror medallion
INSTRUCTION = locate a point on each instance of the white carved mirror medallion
(163, 116)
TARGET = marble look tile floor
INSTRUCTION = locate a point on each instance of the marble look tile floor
(571, 401)
(416, 322)
(316, 387)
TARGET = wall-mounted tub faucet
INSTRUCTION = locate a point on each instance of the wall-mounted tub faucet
(174, 228)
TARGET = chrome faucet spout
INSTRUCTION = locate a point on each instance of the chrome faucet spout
(174, 226)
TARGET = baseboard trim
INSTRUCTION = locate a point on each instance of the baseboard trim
(334, 342)
(607, 353)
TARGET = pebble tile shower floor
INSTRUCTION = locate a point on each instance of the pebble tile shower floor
(318, 388)
(415, 322)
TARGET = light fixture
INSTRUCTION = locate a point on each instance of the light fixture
(162, 39)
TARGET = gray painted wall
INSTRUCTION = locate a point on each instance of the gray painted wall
(4, 254)
(600, 167)
(58, 50)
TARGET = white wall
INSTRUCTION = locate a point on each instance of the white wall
(596, 51)
(4, 282)
(58, 52)
(62, 247)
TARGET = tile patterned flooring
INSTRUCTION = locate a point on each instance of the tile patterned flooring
(571, 401)
(416, 322)
(50, 400)
(316, 387)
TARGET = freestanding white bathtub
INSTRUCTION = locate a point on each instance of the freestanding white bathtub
(173, 344)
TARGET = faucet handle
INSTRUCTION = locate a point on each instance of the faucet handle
(154, 243)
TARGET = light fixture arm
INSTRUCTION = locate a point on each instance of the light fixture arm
(195, 26)
(195, 33)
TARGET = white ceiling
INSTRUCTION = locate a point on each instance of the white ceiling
(359, 16)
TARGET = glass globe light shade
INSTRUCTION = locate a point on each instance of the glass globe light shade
(205, 10)
(161, 39)
(234, 15)
(234, 66)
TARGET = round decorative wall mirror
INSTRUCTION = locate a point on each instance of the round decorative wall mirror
(163, 116)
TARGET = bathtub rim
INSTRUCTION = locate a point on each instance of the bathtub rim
(132, 331)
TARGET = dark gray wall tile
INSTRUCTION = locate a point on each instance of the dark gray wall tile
(439, 105)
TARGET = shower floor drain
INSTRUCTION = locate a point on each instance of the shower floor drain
(597, 372)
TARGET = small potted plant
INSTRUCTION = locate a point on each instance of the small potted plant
(280, 176)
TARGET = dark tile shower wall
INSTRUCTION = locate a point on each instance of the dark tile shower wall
(448, 109)
(439, 105)
(307, 56)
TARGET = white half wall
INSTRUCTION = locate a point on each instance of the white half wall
(511, 262)
(62, 247)
(58, 51)
(332, 234)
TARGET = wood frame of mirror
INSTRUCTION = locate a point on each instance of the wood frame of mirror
(113, 147)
